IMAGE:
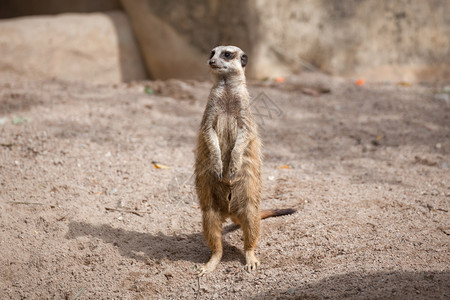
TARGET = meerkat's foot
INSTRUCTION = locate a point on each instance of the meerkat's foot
(251, 263)
(209, 267)
(203, 270)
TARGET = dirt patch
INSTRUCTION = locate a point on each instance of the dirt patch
(88, 208)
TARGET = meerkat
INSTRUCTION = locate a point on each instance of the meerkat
(228, 159)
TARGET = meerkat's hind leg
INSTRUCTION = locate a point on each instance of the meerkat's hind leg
(212, 230)
(250, 227)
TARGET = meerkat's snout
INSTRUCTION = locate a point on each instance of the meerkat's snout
(212, 63)
(216, 64)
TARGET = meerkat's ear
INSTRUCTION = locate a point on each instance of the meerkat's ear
(244, 60)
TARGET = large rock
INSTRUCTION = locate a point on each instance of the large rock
(98, 48)
(168, 52)
(397, 40)
(378, 39)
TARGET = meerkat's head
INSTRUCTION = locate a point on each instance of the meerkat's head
(227, 60)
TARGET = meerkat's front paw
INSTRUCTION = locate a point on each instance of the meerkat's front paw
(218, 170)
(235, 166)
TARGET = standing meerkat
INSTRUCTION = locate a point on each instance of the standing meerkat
(228, 159)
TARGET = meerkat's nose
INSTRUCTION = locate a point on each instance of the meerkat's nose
(212, 62)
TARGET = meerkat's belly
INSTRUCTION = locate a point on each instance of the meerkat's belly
(226, 129)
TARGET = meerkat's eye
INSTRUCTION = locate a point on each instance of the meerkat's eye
(212, 54)
(227, 55)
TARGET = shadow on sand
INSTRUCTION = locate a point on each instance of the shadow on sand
(377, 285)
(145, 246)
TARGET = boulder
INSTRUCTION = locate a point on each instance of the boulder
(97, 48)
(375, 39)
(168, 52)
(380, 40)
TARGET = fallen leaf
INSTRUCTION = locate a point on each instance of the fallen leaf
(285, 167)
(280, 79)
(311, 92)
(148, 90)
(359, 81)
(19, 120)
(160, 166)
(404, 83)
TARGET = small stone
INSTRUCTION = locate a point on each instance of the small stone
(434, 193)
(290, 291)
(442, 97)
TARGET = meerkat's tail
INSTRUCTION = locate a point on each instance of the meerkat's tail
(268, 213)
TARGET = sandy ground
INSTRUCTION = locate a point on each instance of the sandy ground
(85, 214)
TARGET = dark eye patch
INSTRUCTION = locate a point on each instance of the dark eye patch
(227, 55)
(212, 54)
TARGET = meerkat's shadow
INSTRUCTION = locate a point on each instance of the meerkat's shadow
(146, 246)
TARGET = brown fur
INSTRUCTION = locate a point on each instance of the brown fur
(228, 159)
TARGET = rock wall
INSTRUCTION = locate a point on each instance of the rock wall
(397, 40)
(168, 52)
(378, 39)
(374, 39)
(98, 48)
(176, 37)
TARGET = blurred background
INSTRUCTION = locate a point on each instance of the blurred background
(113, 41)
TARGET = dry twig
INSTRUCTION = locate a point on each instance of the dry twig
(26, 203)
(139, 213)
(198, 288)
(78, 294)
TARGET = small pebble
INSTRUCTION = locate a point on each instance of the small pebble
(442, 97)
